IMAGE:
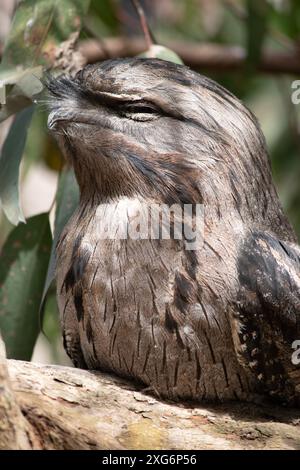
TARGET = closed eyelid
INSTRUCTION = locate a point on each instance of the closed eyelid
(121, 101)
(140, 106)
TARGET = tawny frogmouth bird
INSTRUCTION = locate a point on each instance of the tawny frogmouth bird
(215, 323)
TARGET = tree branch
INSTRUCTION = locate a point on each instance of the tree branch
(15, 431)
(199, 56)
(75, 409)
(208, 56)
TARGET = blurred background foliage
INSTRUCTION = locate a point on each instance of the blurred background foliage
(252, 24)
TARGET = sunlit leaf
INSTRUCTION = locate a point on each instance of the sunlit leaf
(23, 266)
(10, 159)
(38, 28)
(19, 89)
(160, 52)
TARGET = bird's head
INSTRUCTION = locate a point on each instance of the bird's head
(154, 128)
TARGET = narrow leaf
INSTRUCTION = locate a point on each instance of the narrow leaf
(18, 88)
(10, 159)
(67, 200)
(38, 28)
(161, 52)
(23, 266)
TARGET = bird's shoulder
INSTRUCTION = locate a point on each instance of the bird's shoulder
(269, 277)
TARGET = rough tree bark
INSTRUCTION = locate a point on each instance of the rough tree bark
(15, 430)
(54, 407)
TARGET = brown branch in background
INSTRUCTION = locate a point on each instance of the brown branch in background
(208, 56)
(89, 31)
(149, 38)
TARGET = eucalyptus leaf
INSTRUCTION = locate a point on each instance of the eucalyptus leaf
(67, 200)
(38, 28)
(10, 160)
(18, 74)
(160, 52)
(23, 86)
(23, 266)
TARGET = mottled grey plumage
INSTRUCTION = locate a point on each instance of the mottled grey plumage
(212, 324)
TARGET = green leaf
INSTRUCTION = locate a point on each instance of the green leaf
(67, 200)
(23, 266)
(103, 18)
(161, 52)
(256, 29)
(10, 159)
(18, 88)
(286, 18)
(38, 28)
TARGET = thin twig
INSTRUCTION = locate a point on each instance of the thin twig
(149, 38)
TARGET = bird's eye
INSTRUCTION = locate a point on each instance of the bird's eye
(140, 111)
